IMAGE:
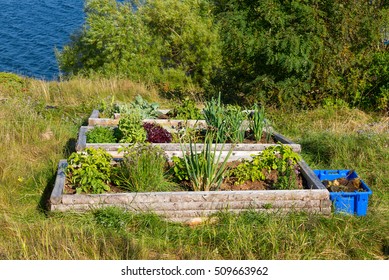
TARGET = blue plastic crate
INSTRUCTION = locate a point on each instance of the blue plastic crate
(346, 202)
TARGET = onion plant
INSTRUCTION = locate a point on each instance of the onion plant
(234, 119)
(258, 123)
(225, 121)
(205, 169)
(215, 118)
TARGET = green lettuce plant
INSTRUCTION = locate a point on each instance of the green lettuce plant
(101, 134)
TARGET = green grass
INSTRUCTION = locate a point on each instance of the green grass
(34, 137)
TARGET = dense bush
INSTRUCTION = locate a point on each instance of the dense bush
(278, 52)
(302, 52)
(168, 42)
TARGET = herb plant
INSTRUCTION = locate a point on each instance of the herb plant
(90, 171)
(156, 133)
(101, 134)
(142, 169)
(107, 107)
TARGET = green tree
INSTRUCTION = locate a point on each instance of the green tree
(269, 47)
(189, 40)
(354, 64)
(113, 42)
(303, 52)
(169, 42)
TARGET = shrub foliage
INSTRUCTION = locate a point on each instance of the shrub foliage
(274, 51)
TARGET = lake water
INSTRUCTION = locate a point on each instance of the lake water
(30, 30)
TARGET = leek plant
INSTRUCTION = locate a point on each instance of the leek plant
(258, 124)
(205, 169)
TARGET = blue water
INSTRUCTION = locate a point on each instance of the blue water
(30, 30)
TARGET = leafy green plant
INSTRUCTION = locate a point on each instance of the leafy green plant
(187, 110)
(131, 128)
(101, 134)
(147, 110)
(143, 169)
(205, 169)
(89, 171)
(280, 158)
(179, 169)
(107, 107)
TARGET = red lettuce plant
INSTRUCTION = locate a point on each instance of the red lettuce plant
(156, 133)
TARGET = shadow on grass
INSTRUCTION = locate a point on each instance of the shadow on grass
(69, 148)
(44, 202)
(317, 148)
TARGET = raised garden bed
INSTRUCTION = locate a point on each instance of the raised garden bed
(240, 150)
(184, 206)
(96, 120)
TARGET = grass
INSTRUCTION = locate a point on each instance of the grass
(38, 127)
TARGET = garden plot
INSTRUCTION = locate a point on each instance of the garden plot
(185, 205)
